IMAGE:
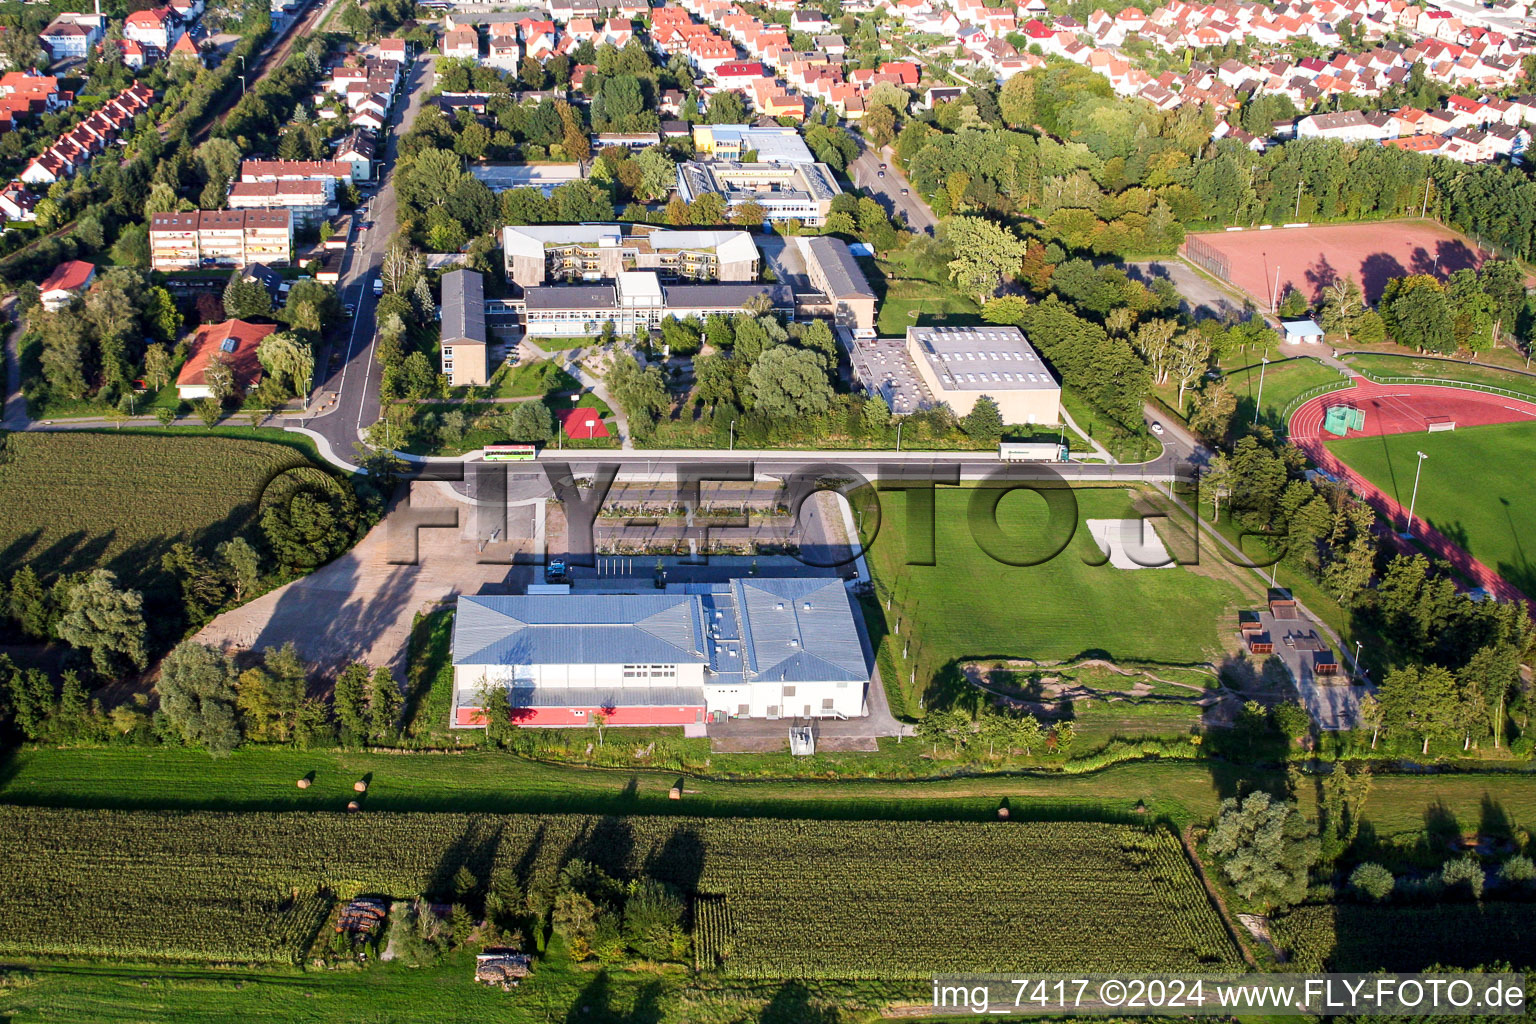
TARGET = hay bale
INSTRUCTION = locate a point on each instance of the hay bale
(1002, 813)
(353, 805)
(303, 783)
(675, 793)
(360, 786)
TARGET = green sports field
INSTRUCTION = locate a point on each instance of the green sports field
(969, 605)
(1476, 488)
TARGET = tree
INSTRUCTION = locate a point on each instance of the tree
(641, 393)
(707, 210)
(984, 422)
(653, 920)
(107, 621)
(875, 416)
(531, 422)
(314, 524)
(986, 255)
(1372, 880)
(384, 704)
(786, 382)
(269, 695)
(1266, 849)
(726, 107)
(1211, 416)
(157, 367)
(1342, 304)
(1423, 701)
(1420, 317)
(209, 409)
(1188, 358)
(29, 696)
(29, 603)
(203, 586)
(244, 299)
(289, 359)
(1371, 715)
(197, 697)
(658, 175)
(242, 564)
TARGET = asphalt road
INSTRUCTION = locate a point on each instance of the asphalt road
(865, 173)
(347, 399)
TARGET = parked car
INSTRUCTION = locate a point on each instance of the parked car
(378, 286)
(350, 310)
(1157, 428)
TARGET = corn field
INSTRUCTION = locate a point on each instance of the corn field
(772, 899)
(119, 500)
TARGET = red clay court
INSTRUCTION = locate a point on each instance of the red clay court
(1401, 409)
(1310, 258)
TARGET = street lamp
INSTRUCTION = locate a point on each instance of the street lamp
(1259, 403)
(1358, 645)
(733, 433)
(1408, 526)
(899, 425)
(242, 85)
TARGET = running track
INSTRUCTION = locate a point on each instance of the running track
(1409, 408)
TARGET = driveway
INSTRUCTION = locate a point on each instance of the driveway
(360, 607)
(1203, 298)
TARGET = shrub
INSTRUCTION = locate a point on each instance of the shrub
(1372, 880)
(1518, 870)
(1467, 871)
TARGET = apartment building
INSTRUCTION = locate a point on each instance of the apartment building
(220, 238)
(308, 201)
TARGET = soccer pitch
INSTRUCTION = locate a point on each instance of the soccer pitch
(1476, 488)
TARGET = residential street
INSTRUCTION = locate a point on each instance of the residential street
(865, 173)
(346, 400)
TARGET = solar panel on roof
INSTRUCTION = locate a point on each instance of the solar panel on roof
(228, 344)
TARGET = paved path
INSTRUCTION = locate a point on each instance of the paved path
(15, 415)
(1405, 403)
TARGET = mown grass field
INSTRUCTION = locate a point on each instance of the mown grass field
(1476, 488)
(970, 605)
(1398, 811)
(1283, 381)
(1384, 365)
(931, 302)
(78, 500)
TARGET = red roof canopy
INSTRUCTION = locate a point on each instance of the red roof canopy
(582, 423)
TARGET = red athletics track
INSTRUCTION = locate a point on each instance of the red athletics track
(1404, 409)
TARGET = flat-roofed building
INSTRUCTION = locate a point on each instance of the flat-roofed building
(960, 364)
(537, 253)
(464, 348)
(637, 300)
(802, 192)
(832, 270)
(772, 145)
(760, 647)
(220, 238)
(546, 177)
